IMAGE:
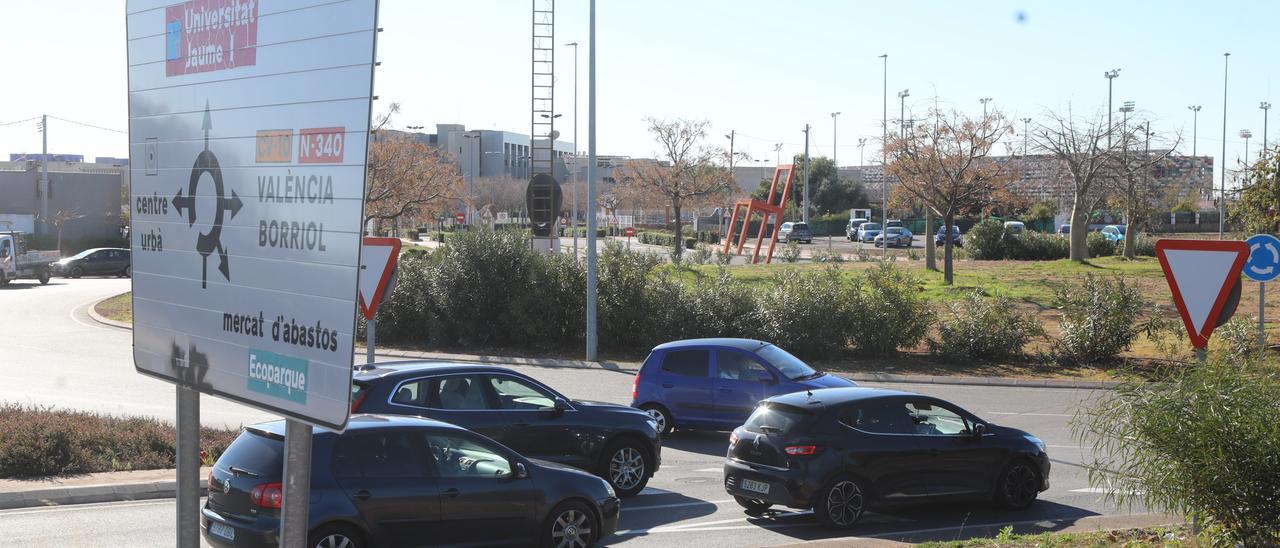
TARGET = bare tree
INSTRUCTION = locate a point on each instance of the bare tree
(687, 170)
(1083, 155)
(944, 164)
(59, 220)
(406, 175)
(1132, 188)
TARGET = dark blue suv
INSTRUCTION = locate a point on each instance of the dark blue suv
(715, 384)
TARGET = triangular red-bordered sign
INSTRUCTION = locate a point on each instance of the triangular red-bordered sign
(1201, 275)
(377, 265)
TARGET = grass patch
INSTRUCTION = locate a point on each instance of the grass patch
(118, 308)
(40, 441)
(1153, 536)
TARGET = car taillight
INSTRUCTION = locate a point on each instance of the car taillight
(635, 387)
(733, 438)
(267, 495)
(208, 483)
(801, 449)
(355, 405)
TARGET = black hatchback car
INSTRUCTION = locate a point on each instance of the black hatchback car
(405, 481)
(841, 451)
(103, 261)
(618, 443)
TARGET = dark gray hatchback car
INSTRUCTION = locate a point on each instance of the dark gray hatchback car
(405, 481)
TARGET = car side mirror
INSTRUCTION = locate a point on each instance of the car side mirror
(979, 430)
(560, 405)
(521, 471)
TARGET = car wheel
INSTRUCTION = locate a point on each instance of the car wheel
(625, 465)
(77, 272)
(570, 525)
(335, 536)
(660, 414)
(752, 506)
(1018, 486)
(128, 271)
(841, 504)
(44, 276)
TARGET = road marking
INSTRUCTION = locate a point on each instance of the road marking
(704, 526)
(72, 507)
(1063, 446)
(1102, 491)
(675, 505)
(1029, 414)
(972, 526)
(709, 470)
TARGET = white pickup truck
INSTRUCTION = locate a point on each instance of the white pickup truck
(16, 261)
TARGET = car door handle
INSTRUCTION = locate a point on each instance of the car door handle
(452, 492)
(668, 385)
(362, 495)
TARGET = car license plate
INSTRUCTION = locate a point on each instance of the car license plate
(224, 531)
(755, 486)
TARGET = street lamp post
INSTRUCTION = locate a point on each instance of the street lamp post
(1222, 192)
(884, 153)
(1110, 75)
(777, 154)
(984, 102)
(1266, 107)
(804, 212)
(1246, 134)
(834, 136)
(471, 181)
(1025, 132)
(1195, 122)
(576, 156)
(862, 143)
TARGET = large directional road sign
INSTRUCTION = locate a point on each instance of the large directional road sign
(1202, 275)
(253, 119)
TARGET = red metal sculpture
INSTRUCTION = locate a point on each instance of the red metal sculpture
(774, 204)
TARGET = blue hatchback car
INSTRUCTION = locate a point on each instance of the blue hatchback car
(715, 384)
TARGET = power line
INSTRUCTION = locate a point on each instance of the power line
(88, 125)
(20, 121)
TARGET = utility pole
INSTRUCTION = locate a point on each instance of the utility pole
(1222, 192)
(732, 133)
(862, 143)
(44, 172)
(1026, 122)
(1266, 107)
(835, 134)
(577, 158)
(591, 187)
(1195, 122)
(884, 154)
(777, 154)
(804, 213)
(1111, 75)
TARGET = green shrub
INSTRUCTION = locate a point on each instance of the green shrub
(1237, 340)
(411, 233)
(887, 310)
(405, 314)
(552, 306)
(701, 253)
(790, 253)
(722, 307)
(805, 313)
(982, 328)
(624, 277)
(1034, 246)
(984, 242)
(1099, 319)
(1145, 246)
(479, 277)
(39, 441)
(824, 256)
(722, 258)
(1202, 442)
(1100, 246)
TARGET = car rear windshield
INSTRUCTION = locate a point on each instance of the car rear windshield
(871, 226)
(790, 366)
(255, 453)
(778, 417)
(799, 225)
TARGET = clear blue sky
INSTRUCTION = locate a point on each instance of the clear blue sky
(763, 68)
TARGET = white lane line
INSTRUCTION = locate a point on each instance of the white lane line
(74, 507)
(1029, 414)
(710, 526)
(674, 505)
(710, 470)
(1102, 490)
(1063, 446)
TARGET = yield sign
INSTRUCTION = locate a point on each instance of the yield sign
(1201, 274)
(377, 266)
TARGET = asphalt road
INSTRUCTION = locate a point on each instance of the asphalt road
(54, 355)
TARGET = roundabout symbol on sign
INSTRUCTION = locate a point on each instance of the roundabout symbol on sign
(1264, 258)
(208, 242)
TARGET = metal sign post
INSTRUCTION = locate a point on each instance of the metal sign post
(1263, 266)
(253, 120)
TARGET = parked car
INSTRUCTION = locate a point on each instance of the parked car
(1064, 230)
(894, 236)
(398, 481)
(851, 230)
(616, 442)
(1114, 233)
(868, 231)
(798, 232)
(1015, 227)
(102, 261)
(957, 239)
(892, 223)
(843, 451)
(715, 383)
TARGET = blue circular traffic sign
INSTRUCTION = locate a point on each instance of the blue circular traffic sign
(1264, 258)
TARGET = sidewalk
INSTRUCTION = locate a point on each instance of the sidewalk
(90, 488)
(1069, 525)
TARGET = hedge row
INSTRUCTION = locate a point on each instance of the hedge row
(989, 241)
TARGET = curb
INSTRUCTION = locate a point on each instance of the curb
(88, 494)
(633, 367)
(1084, 524)
(93, 314)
